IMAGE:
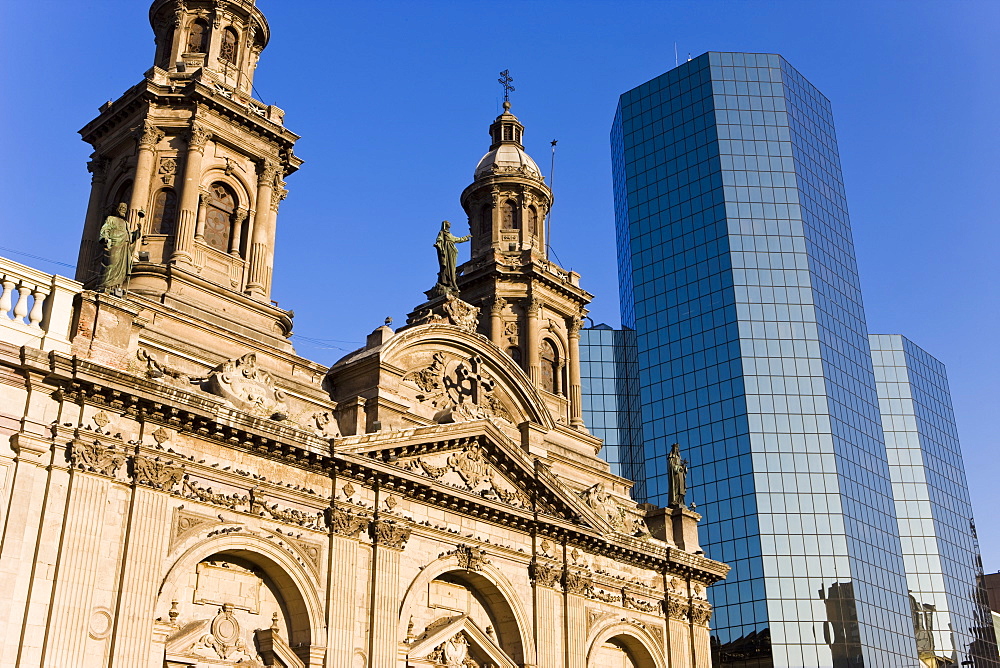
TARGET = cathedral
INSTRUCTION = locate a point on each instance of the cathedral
(180, 489)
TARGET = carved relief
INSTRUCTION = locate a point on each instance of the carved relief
(198, 137)
(155, 473)
(470, 464)
(429, 379)
(225, 638)
(244, 384)
(453, 653)
(701, 612)
(677, 608)
(345, 523)
(577, 582)
(167, 170)
(185, 521)
(389, 534)
(148, 135)
(259, 506)
(544, 574)
(96, 457)
(470, 558)
(467, 392)
(604, 505)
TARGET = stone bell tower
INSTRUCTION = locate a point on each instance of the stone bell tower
(200, 164)
(528, 306)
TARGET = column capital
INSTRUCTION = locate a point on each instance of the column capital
(197, 138)
(386, 533)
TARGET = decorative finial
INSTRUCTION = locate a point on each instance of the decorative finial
(274, 623)
(388, 321)
(506, 80)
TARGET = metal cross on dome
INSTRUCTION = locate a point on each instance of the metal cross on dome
(506, 80)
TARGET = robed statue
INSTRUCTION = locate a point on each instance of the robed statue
(678, 469)
(447, 254)
(119, 239)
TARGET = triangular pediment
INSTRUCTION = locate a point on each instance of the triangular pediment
(478, 458)
(456, 638)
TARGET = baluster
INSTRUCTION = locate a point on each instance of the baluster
(5, 299)
(21, 307)
(37, 309)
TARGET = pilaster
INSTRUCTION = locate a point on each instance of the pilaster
(77, 569)
(20, 543)
(341, 587)
(388, 539)
(148, 525)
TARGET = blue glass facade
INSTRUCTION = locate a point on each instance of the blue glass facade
(609, 380)
(943, 568)
(738, 275)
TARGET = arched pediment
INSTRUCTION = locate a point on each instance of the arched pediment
(446, 374)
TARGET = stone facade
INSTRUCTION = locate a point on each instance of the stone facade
(181, 489)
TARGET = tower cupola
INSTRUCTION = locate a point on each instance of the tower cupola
(508, 199)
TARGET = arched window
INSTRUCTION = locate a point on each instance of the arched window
(515, 353)
(198, 37)
(550, 367)
(219, 216)
(123, 194)
(163, 48)
(532, 224)
(509, 219)
(164, 212)
(228, 49)
(486, 219)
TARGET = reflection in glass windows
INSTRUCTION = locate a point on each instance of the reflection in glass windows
(737, 273)
(943, 568)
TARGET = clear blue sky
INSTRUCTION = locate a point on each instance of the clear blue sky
(393, 100)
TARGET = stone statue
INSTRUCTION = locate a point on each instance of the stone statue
(678, 477)
(118, 239)
(447, 255)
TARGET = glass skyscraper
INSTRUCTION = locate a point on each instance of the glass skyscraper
(943, 568)
(609, 377)
(738, 276)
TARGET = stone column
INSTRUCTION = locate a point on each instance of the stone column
(199, 226)
(184, 242)
(342, 589)
(78, 569)
(86, 265)
(388, 538)
(142, 561)
(278, 194)
(148, 137)
(259, 277)
(575, 394)
(497, 305)
(234, 240)
(531, 339)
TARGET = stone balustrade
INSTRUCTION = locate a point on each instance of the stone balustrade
(36, 309)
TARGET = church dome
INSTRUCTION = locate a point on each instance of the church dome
(508, 158)
(507, 155)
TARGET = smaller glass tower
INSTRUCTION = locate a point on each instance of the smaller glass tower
(609, 378)
(943, 567)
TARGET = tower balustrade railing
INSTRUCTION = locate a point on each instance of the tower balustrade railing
(36, 309)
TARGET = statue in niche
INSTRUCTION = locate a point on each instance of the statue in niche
(119, 239)
(447, 254)
(678, 468)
